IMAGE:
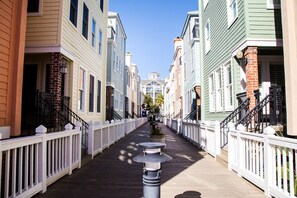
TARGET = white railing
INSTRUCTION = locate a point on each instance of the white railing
(268, 161)
(101, 136)
(29, 164)
(205, 135)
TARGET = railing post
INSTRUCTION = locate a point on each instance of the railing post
(78, 128)
(268, 132)
(91, 138)
(41, 130)
(70, 153)
(218, 138)
(231, 127)
(240, 153)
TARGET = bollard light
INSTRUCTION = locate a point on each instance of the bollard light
(152, 157)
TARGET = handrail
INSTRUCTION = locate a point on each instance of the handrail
(73, 117)
(254, 119)
(66, 115)
(54, 123)
(191, 114)
(234, 116)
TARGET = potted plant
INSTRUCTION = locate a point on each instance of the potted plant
(156, 134)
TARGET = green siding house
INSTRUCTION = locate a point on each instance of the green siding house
(241, 51)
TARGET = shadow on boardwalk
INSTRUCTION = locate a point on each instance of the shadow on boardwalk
(114, 174)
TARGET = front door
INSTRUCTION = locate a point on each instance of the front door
(28, 99)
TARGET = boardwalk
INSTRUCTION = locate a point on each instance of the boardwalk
(191, 173)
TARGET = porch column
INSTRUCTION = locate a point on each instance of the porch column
(289, 21)
(56, 79)
(252, 79)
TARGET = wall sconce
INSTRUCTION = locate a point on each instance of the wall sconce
(63, 66)
(240, 57)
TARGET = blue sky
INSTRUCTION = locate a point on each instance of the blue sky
(151, 26)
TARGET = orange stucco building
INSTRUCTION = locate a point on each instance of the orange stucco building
(13, 16)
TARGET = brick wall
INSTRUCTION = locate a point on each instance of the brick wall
(109, 91)
(252, 81)
(56, 79)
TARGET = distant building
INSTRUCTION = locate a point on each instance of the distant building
(132, 95)
(178, 71)
(153, 86)
(116, 53)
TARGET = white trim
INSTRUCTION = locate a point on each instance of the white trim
(205, 3)
(39, 13)
(228, 107)
(207, 45)
(230, 12)
(49, 49)
(258, 43)
(218, 89)
(271, 5)
(4, 132)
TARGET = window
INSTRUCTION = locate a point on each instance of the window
(205, 2)
(273, 4)
(207, 36)
(228, 87)
(99, 96)
(85, 22)
(195, 31)
(211, 93)
(102, 5)
(34, 7)
(93, 32)
(91, 94)
(100, 42)
(219, 96)
(232, 11)
(81, 89)
(73, 12)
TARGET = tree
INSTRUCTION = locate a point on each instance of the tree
(148, 101)
(160, 100)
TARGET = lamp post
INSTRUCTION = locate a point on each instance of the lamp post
(152, 157)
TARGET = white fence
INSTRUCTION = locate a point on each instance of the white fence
(102, 136)
(268, 161)
(204, 135)
(29, 164)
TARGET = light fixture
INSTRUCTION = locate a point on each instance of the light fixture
(240, 57)
(63, 66)
(151, 157)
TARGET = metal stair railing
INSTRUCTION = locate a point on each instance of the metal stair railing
(73, 118)
(48, 116)
(128, 115)
(235, 116)
(254, 120)
(191, 114)
(267, 112)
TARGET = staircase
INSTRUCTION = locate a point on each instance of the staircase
(270, 111)
(55, 120)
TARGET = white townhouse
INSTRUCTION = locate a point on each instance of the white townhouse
(116, 53)
(191, 66)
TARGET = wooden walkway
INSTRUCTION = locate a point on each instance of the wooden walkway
(190, 174)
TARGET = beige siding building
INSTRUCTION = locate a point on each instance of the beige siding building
(65, 60)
